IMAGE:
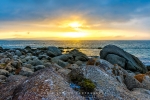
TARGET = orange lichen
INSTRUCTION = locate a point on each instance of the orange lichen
(93, 61)
(140, 77)
(17, 71)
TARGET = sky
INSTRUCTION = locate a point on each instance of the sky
(75, 19)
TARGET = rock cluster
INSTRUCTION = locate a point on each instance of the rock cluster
(47, 74)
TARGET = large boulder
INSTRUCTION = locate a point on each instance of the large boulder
(53, 51)
(45, 84)
(78, 56)
(107, 86)
(116, 55)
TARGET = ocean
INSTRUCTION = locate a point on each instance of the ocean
(139, 48)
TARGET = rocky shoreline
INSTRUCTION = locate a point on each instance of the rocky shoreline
(47, 74)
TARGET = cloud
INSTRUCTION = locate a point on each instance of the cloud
(101, 10)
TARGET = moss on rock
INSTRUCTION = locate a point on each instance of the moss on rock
(87, 85)
(76, 76)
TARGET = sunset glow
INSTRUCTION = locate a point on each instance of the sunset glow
(85, 20)
(75, 25)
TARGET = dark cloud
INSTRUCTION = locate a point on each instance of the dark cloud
(95, 10)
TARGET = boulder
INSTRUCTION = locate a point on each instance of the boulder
(45, 84)
(64, 57)
(16, 64)
(28, 48)
(78, 56)
(7, 89)
(141, 94)
(5, 60)
(1, 48)
(117, 55)
(60, 62)
(4, 72)
(132, 83)
(114, 59)
(146, 82)
(38, 67)
(35, 62)
(107, 86)
(64, 71)
(26, 71)
(44, 57)
(18, 53)
(148, 68)
(2, 77)
(53, 51)
(79, 63)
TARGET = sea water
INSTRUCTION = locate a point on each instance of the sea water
(139, 48)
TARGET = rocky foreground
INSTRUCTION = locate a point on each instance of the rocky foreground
(47, 74)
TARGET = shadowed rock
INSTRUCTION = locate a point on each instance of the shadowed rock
(7, 90)
(53, 51)
(116, 55)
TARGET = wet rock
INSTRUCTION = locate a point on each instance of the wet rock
(10, 68)
(44, 57)
(7, 89)
(2, 77)
(64, 57)
(78, 56)
(79, 63)
(5, 60)
(60, 62)
(38, 67)
(35, 62)
(18, 53)
(27, 65)
(26, 71)
(4, 72)
(28, 48)
(56, 66)
(16, 64)
(53, 51)
(45, 84)
(122, 58)
(148, 68)
(1, 48)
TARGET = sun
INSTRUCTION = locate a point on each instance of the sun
(75, 25)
